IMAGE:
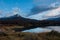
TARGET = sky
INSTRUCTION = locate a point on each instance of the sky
(54, 13)
(10, 5)
(46, 11)
(21, 7)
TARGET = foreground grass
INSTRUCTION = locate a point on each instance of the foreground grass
(53, 35)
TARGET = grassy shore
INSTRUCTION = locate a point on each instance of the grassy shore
(8, 34)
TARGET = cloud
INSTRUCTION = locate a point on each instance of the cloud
(1, 12)
(16, 10)
(13, 11)
(55, 4)
(53, 13)
(39, 9)
(42, 8)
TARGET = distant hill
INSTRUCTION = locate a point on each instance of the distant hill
(56, 19)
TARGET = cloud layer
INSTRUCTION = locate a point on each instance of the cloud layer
(42, 8)
(53, 13)
(49, 13)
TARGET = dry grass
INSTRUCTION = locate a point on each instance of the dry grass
(30, 36)
(10, 34)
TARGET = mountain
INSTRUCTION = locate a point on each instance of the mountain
(17, 20)
(56, 19)
(27, 23)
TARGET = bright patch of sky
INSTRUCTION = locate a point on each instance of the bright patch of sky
(53, 13)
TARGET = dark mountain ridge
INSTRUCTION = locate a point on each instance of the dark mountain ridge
(28, 23)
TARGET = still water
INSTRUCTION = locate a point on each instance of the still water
(37, 30)
(47, 29)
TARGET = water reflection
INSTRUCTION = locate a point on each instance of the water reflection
(47, 29)
(37, 30)
(56, 28)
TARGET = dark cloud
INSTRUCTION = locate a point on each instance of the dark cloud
(36, 9)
